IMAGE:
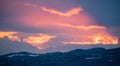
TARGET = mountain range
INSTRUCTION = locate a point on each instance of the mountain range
(78, 57)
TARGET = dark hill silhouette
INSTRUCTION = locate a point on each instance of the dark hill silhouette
(78, 57)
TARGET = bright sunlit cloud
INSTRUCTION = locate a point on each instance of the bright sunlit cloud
(96, 39)
(11, 35)
(34, 39)
(38, 40)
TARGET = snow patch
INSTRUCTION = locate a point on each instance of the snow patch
(93, 58)
(32, 55)
(16, 55)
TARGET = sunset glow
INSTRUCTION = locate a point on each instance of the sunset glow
(38, 40)
(97, 39)
(49, 25)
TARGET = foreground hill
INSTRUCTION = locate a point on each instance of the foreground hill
(79, 57)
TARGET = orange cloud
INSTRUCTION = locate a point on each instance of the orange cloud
(10, 35)
(34, 39)
(84, 27)
(96, 39)
(38, 40)
(68, 13)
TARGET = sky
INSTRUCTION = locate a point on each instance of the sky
(42, 26)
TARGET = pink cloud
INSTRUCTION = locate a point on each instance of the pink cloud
(90, 27)
(68, 13)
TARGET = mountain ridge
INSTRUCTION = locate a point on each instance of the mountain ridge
(78, 57)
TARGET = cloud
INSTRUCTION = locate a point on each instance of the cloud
(90, 27)
(68, 13)
(53, 11)
(34, 39)
(10, 35)
(38, 40)
(96, 39)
